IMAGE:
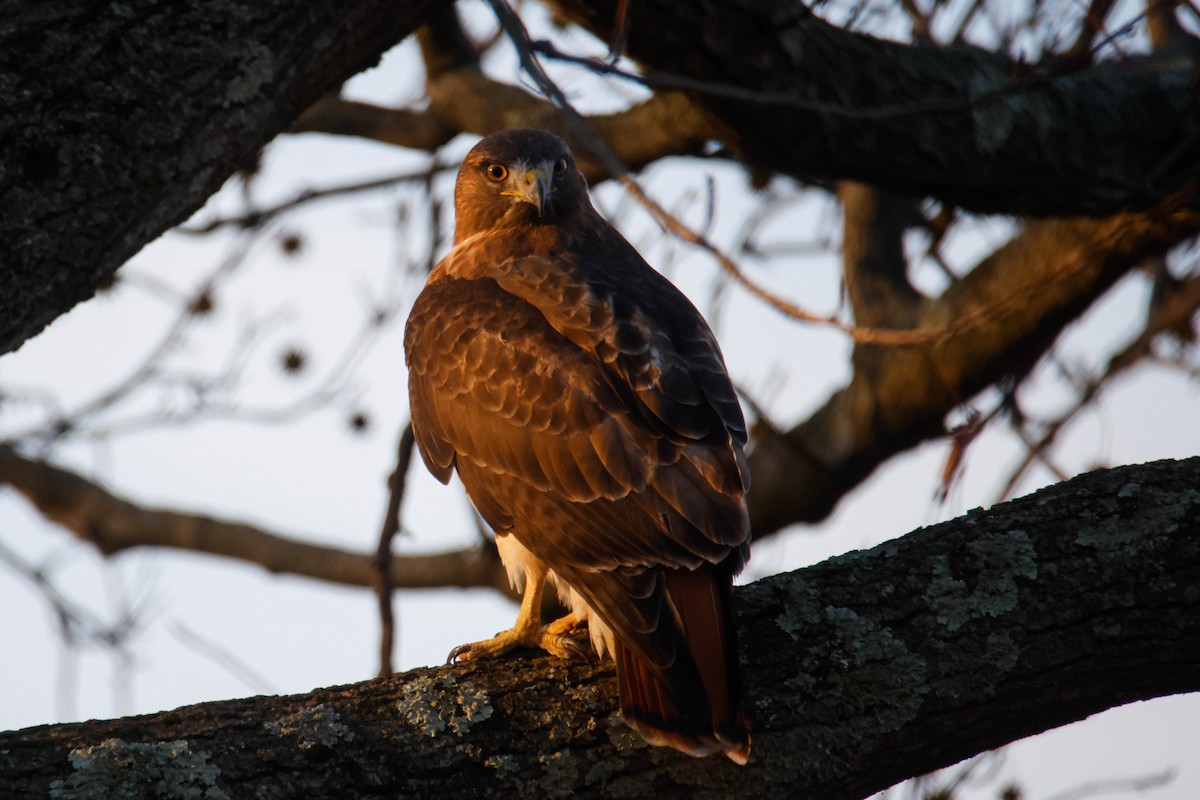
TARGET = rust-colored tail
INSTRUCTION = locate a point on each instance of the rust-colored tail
(693, 704)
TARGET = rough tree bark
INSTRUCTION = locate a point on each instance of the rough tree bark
(971, 127)
(120, 119)
(861, 671)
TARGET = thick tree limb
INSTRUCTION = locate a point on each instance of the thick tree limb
(418, 130)
(861, 671)
(999, 319)
(874, 266)
(120, 119)
(667, 124)
(973, 128)
(113, 524)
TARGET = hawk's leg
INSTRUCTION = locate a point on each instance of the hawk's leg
(528, 631)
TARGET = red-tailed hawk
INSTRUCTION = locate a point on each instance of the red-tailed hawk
(585, 405)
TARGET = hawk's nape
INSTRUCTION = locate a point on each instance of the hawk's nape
(586, 407)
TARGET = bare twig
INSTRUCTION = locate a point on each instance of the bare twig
(212, 397)
(1080, 53)
(1117, 786)
(381, 564)
(256, 217)
(75, 622)
(170, 342)
(77, 626)
(221, 655)
(1182, 305)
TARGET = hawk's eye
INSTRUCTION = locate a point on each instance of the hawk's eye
(560, 166)
(496, 172)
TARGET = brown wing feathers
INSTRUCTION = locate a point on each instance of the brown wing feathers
(586, 407)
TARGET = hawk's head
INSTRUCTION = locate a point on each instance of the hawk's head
(514, 178)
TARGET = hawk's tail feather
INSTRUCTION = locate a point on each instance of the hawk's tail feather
(693, 704)
(650, 709)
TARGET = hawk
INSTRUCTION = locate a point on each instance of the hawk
(586, 407)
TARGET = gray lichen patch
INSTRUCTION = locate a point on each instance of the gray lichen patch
(621, 736)
(431, 706)
(119, 770)
(556, 779)
(995, 561)
(965, 673)
(258, 69)
(503, 763)
(871, 673)
(1111, 535)
(800, 605)
(319, 726)
(1172, 512)
(1130, 489)
(559, 773)
(885, 673)
(997, 115)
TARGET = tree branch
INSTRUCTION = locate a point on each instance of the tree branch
(113, 524)
(121, 119)
(873, 262)
(970, 127)
(998, 321)
(1178, 310)
(860, 672)
(463, 99)
(381, 565)
(417, 130)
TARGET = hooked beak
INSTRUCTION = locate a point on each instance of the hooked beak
(532, 185)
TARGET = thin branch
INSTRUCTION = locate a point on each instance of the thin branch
(221, 655)
(874, 266)
(256, 217)
(1080, 53)
(1117, 786)
(1180, 307)
(463, 99)
(73, 619)
(335, 383)
(381, 564)
(169, 342)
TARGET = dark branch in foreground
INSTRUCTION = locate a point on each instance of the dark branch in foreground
(861, 671)
(974, 128)
(127, 118)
